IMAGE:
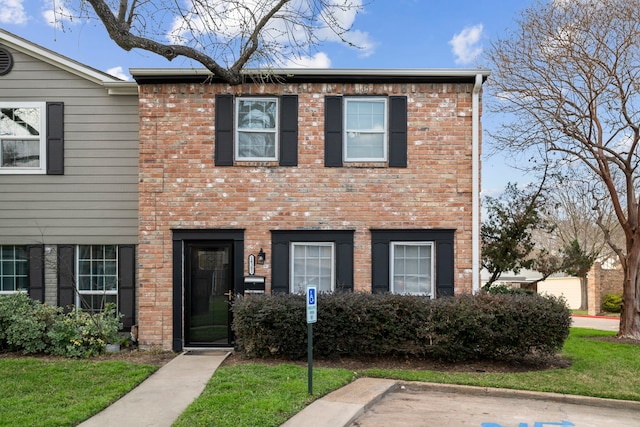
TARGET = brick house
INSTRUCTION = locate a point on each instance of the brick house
(355, 180)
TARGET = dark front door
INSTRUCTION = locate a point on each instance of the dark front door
(208, 294)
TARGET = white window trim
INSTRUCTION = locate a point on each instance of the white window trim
(236, 130)
(293, 288)
(391, 266)
(385, 132)
(42, 169)
(18, 290)
(79, 292)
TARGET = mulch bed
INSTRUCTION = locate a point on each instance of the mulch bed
(532, 363)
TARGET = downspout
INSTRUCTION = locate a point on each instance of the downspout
(475, 184)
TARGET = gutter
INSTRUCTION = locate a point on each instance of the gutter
(311, 75)
(475, 184)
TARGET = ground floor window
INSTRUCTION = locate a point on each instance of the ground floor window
(411, 268)
(97, 278)
(311, 257)
(312, 263)
(413, 261)
(14, 271)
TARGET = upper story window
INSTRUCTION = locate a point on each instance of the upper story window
(362, 130)
(22, 138)
(365, 131)
(257, 129)
(14, 273)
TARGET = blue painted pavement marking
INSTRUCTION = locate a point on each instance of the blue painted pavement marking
(563, 423)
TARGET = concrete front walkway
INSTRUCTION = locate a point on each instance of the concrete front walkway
(160, 399)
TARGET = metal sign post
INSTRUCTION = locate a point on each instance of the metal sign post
(312, 317)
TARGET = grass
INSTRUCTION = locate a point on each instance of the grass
(598, 369)
(39, 392)
(259, 395)
(255, 394)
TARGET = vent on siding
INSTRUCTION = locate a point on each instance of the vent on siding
(6, 61)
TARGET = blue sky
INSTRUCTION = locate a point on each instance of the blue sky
(391, 34)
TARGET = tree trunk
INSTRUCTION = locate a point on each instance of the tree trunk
(630, 313)
(584, 293)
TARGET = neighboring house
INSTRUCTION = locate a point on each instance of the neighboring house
(349, 180)
(68, 180)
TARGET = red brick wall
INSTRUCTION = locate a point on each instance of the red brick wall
(600, 282)
(181, 188)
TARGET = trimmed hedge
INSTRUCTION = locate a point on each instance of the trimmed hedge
(464, 327)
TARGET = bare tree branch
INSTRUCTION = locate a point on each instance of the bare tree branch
(225, 36)
(568, 76)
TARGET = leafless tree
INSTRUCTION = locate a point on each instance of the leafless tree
(568, 77)
(225, 36)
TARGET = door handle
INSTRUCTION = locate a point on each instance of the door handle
(229, 295)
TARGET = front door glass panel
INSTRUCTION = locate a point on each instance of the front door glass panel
(209, 289)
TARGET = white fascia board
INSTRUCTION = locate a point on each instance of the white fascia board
(57, 60)
(385, 72)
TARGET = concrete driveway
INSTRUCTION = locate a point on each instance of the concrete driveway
(596, 322)
(422, 405)
(426, 405)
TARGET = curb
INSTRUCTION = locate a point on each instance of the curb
(586, 316)
(523, 394)
(344, 406)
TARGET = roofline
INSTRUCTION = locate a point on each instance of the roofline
(114, 85)
(315, 75)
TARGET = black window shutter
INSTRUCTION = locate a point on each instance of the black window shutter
(280, 266)
(344, 265)
(55, 138)
(444, 270)
(126, 284)
(379, 265)
(224, 130)
(66, 276)
(35, 254)
(289, 130)
(398, 131)
(333, 131)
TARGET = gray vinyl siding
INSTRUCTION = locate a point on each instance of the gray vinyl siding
(96, 200)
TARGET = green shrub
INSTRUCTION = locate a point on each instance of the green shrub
(612, 303)
(24, 323)
(82, 334)
(31, 327)
(458, 328)
(503, 289)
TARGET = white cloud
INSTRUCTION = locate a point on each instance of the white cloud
(224, 24)
(56, 15)
(12, 12)
(319, 60)
(466, 44)
(119, 73)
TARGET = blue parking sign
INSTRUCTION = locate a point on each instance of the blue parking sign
(312, 304)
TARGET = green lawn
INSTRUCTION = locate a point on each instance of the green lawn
(261, 395)
(39, 392)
